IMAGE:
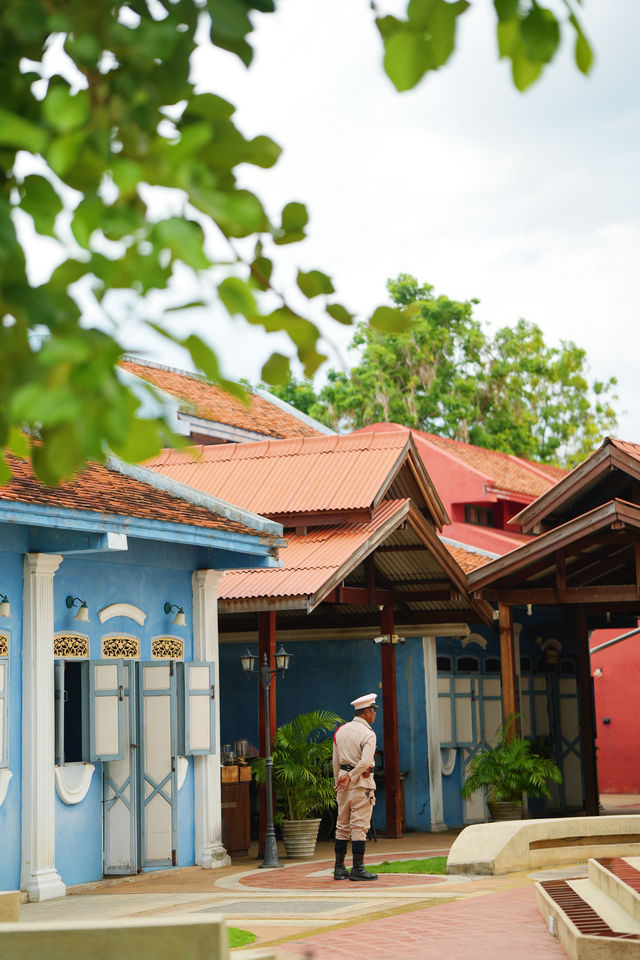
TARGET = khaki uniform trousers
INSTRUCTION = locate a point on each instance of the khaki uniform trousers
(355, 806)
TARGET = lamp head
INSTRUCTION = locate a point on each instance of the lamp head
(5, 606)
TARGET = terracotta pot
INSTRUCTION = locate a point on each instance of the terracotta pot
(300, 837)
(505, 810)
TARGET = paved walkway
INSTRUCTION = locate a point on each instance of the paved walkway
(301, 913)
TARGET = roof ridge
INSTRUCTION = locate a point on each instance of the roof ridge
(181, 491)
(191, 375)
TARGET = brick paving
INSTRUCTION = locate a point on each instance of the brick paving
(496, 926)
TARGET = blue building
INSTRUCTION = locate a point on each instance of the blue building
(109, 687)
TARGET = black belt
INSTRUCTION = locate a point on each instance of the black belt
(346, 766)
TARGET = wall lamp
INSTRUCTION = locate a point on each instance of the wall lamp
(83, 609)
(178, 620)
(5, 606)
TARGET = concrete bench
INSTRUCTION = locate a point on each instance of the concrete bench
(490, 848)
(9, 906)
(189, 937)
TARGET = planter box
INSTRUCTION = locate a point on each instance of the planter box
(300, 837)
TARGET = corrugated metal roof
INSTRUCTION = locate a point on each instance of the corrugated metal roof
(311, 560)
(301, 475)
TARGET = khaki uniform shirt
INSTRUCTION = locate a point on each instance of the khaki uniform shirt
(355, 744)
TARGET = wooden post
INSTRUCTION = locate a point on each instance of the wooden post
(587, 717)
(266, 645)
(508, 666)
(390, 707)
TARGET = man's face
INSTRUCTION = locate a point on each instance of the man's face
(370, 715)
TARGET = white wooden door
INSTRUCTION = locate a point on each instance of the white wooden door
(121, 791)
(158, 777)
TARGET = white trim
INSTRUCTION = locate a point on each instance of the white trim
(409, 632)
(436, 801)
(471, 549)
(5, 777)
(474, 638)
(210, 851)
(122, 610)
(39, 875)
(73, 781)
(448, 757)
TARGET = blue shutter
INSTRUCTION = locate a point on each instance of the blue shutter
(199, 708)
(103, 726)
(4, 712)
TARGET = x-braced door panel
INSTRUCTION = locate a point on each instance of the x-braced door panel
(121, 793)
(158, 798)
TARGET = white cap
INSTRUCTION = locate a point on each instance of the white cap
(369, 700)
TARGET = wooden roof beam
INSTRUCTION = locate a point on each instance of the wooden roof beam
(549, 595)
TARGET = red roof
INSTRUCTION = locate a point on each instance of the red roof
(314, 560)
(503, 471)
(210, 402)
(490, 539)
(100, 490)
(305, 475)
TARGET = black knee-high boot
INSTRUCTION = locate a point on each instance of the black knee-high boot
(340, 872)
(358, 872)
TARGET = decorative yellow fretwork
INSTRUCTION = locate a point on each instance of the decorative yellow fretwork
(167, 648)
(4, 644)
(70, 645)
(121, 647)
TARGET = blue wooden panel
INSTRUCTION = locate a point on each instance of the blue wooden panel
(199, 700)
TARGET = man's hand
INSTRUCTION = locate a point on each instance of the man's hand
(343, 782)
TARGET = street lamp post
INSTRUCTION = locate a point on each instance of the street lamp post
(266, 675)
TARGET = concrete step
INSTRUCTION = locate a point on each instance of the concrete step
(590, 924)
(619, 878)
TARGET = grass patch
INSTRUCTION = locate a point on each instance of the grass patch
(239, 938)
(429, 865)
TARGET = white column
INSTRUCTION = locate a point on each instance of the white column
(39, 875)
(434, 759)
(208, 805)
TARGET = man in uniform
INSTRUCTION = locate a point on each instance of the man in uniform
(354, 746)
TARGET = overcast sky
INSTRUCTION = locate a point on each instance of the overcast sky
(529, 202)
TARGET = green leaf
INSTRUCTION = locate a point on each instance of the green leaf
(17, 132)
(388, 320)
(541, 34)
(64, 151)
(443, 29)
(210, 106)
(506, 9)
(18, 442)
(339, 313)
(229, 17)
(238, 213)
(203, 356)
(143, 440)
(583, 53)
(314, 283)
(40, 200)
(276, 370)
(294, 220)
(237, 297)
(5, 471)
(261, 270)
(407, 57)
(64, 111)
(184, 238)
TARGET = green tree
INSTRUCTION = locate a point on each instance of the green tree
(112, 121)
(445, 374)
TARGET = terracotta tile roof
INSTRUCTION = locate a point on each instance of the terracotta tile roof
(277, 477)
(506, 472)
(631, 449)
(101, 490)
(312, 559)
(210, 402)
(466, 558)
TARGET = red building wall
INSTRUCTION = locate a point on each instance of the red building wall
(617, 695)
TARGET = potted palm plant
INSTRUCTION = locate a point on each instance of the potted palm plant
(508, 770)
(303, 778)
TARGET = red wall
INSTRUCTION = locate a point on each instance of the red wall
(615, 691)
